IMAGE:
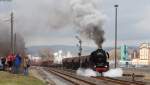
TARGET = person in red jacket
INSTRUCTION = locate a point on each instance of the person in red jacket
(10, 59)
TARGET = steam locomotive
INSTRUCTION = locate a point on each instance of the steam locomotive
(97, 61)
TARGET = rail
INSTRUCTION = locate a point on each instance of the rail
(69, 76)
(118, 81)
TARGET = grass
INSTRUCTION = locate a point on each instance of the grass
(16, 79)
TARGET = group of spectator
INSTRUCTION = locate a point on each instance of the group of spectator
(13, 63)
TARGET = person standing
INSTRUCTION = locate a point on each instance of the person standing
(3, 60)
(17, 63)
(9, 60)
(26, 65)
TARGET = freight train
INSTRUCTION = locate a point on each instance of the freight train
(97, 61)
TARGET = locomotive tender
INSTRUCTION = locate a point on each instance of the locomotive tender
(96, 61)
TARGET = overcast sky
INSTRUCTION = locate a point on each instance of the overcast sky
(49, 22)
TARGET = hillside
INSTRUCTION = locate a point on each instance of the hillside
(65, 48)
(34, 50)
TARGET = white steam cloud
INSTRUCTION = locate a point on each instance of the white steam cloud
(114, 73)
(117, 72)
(86, 72)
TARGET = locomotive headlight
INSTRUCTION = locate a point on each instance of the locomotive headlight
(106, 66)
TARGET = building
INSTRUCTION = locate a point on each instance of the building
(135, 57)
(144, 54)
(135, 54)
(124, 53)
(34, 58)
(135, 61)
(58, 56)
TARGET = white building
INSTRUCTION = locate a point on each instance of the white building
(144, 54)
(135, 61)
(58, 56)
(34, 58)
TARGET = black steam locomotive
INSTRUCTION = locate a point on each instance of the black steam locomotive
(96, 61)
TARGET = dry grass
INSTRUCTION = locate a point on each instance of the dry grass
(13, 79)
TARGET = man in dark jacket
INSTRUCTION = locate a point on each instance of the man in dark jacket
(3, 60)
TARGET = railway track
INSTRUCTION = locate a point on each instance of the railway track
(118, 81)
(81, 81)
(72, 79)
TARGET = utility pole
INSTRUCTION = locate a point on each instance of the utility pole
(14, 44)
(12, 49)
(80, 48)
(116, 6)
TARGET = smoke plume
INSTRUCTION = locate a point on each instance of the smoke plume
(89, 19)
(42, 15)
(5, 39)
(36, 19)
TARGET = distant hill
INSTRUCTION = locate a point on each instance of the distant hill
(65, 48)
(55, 48)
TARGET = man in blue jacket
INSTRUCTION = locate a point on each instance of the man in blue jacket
(17, 63)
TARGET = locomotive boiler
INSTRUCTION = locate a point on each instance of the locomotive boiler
(97, 61)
